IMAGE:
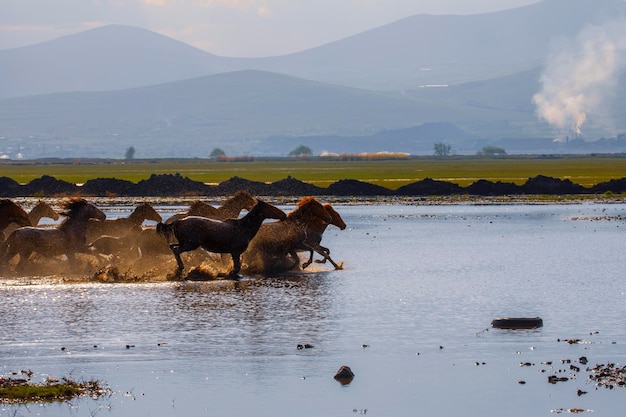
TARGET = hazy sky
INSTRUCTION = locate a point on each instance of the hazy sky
(225, 27)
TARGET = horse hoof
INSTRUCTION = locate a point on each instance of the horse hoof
(339, 265)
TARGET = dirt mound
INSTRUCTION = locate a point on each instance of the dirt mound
(168, 185)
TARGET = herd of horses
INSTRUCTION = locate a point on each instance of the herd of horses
(254, 245)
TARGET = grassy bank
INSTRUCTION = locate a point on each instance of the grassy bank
(584, 170)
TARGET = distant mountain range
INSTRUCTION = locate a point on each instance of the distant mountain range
(464, 80)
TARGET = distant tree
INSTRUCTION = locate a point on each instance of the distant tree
(217, 152)
(491, 151)
(442, 149)
(130, 153)
(301, 151)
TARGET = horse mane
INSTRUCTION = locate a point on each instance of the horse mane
(197, 203)
(304, 207)
(242, 193)
(305, 200)
(236, 197)
(72, 205)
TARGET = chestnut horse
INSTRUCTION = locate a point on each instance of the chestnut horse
(314, 237)
(12, 213)
(123, 225)
(229, 209)
(219, 236)
(67, 239)
(275, 243)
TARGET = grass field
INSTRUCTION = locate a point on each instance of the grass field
(584, 170)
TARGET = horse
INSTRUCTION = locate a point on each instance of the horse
(122, 226)
(39, 211)
(229, 209)
(10, 212)
(314, 237)
(219, 236)
(114, 246)
(67, 239)
(275, 242)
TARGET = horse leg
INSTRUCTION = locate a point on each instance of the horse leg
(310, 248)
(310, 261)
(325, 252)
(234, 273)
(340, 266)
(178, 248)
(175, 247)
(24, 256)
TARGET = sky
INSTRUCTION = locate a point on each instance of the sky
(244, 28)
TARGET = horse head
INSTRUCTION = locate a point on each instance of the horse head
(267, 211)
(245, 199)
(43, 209)
(308, 208)
(148, 212)
(79, 208)
(336, 219)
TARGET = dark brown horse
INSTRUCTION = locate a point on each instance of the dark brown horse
(67, 239)
(314, 237)
(227, 236)
(123, 225)
(229, 209)
(39, 211)
(275, 243)
(12, 213)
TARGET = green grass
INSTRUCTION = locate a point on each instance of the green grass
(64, 390)
(583, 170)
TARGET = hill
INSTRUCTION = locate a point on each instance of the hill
(268, 114)
(235, 111)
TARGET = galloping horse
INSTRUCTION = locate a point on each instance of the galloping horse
(39, 211)
(122, 226)
(276, 242)
(66, 239)
(229, 209)
(314, 236)
(227, 236)
(12, 213)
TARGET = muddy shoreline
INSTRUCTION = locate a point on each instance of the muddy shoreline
(168, 185)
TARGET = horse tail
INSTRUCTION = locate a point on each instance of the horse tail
(166, 230)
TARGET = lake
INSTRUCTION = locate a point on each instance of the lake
(410, 314)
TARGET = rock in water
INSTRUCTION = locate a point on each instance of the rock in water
(344, 375)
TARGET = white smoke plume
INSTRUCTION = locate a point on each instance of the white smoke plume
(579, 76)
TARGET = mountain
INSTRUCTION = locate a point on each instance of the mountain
(417, 50)
(235, 111)
(106, 58)
(447, 49)
(267, 114)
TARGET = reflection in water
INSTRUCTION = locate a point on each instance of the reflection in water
(252, 315)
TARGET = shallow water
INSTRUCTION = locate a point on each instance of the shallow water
(409, 314)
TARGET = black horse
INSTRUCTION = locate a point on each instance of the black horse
(227, 236)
